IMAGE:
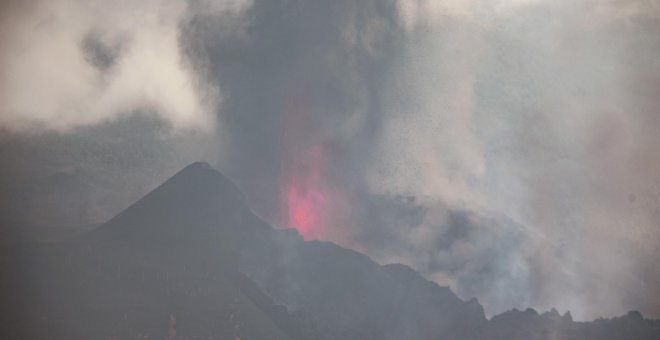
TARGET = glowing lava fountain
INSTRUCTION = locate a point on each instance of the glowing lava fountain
(304, 196)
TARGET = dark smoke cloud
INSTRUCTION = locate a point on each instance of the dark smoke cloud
(333, 76)
(300, 75)
(477, 109)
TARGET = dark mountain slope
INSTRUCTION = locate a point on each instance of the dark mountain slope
(79, 293)
(164, 268)
(345, 294)
(181, 214)
(351, 297)
(191, 261)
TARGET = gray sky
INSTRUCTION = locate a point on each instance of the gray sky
(507, 148)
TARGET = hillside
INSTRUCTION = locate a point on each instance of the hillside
(191, 261)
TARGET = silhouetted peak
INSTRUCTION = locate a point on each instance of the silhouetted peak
(634, 315)
(552, 314)
(198, 196)
(516, 314)
(198, 164)
(531, 311)
(200, 173)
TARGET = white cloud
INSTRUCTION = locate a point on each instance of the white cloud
(67, 63)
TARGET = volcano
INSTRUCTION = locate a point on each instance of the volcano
(190, 260)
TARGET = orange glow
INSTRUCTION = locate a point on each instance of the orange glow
(304, 197)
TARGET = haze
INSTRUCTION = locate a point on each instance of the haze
(505, 148)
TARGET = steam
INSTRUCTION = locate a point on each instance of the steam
(528, 110)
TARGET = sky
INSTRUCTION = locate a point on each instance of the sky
(505, 148)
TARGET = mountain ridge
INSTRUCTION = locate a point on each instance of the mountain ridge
(192, 252)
